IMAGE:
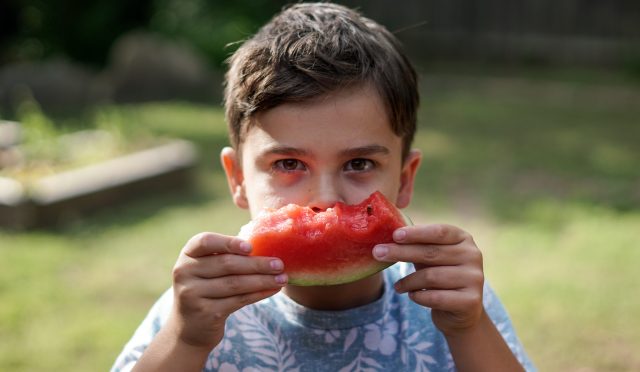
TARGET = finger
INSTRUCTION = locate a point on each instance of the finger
(191, 294)
(235, 303)
(427, 254)
(189, 299)
(440, 277)
(227, 264)
(434, 234)
(447, 300)
(205, 244)
(233, 285)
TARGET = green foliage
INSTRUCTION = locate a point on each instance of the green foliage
(212, 27)
(36, 125)
(48, 147)
(81, 30)
(84, 31)
(38, 132)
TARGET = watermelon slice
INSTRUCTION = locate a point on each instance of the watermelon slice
(328, 247)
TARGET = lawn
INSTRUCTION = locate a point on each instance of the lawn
(543, 173)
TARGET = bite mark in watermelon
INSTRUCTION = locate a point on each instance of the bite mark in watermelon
(328, 247)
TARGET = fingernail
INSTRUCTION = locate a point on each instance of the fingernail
(245, 247)
(399, 235)
(380, 251)
(276, 264)
(281, 279)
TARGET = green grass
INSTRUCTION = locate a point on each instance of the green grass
(547, 186)
(570, 285)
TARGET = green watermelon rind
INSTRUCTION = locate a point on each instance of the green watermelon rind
(308, 280)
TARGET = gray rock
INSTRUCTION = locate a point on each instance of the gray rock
(56, 84)
(144, 67)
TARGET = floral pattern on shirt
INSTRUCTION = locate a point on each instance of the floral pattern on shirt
(277, 334)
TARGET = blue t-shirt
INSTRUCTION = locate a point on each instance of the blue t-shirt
(277, 334)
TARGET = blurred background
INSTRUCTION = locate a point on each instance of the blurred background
(529, 125)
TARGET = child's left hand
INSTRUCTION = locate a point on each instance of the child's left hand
(448, 278)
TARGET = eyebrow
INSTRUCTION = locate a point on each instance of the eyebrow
(284, 150)
(367, 150)
(361, 151)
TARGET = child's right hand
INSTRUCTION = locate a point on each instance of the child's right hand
(213, 277)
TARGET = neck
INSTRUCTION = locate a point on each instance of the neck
(338, 297)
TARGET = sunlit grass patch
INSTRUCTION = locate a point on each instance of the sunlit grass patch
(567, 273)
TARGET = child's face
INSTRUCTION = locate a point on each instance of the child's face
(338, 147)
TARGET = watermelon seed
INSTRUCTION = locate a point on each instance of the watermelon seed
(369, 210)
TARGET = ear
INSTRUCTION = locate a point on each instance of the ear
(235, 177)
(407, 178)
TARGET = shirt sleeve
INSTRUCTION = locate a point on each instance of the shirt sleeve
(145, 333)
(500, 318)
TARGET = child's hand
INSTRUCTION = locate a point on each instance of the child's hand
(213, 277)
(448, 278)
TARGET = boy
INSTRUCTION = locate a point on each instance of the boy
(321, 107)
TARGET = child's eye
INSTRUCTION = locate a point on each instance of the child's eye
(289, 165)
(359, 165)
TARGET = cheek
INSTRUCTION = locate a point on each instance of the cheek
(356, 193)
(276, 186)
(286, 180)
(263, 194)
(388, 185)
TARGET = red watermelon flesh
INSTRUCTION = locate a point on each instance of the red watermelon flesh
(328, 247)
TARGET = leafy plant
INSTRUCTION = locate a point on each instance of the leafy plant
(47, 148)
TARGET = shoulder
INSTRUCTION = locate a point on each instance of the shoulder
(145, 333)
(500, 317)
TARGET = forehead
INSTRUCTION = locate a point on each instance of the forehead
(354, 116)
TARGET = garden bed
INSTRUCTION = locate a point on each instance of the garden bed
(53, 198)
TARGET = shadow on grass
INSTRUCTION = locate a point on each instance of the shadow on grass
(503, 145)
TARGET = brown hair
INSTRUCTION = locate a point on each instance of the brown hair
(312, 49)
